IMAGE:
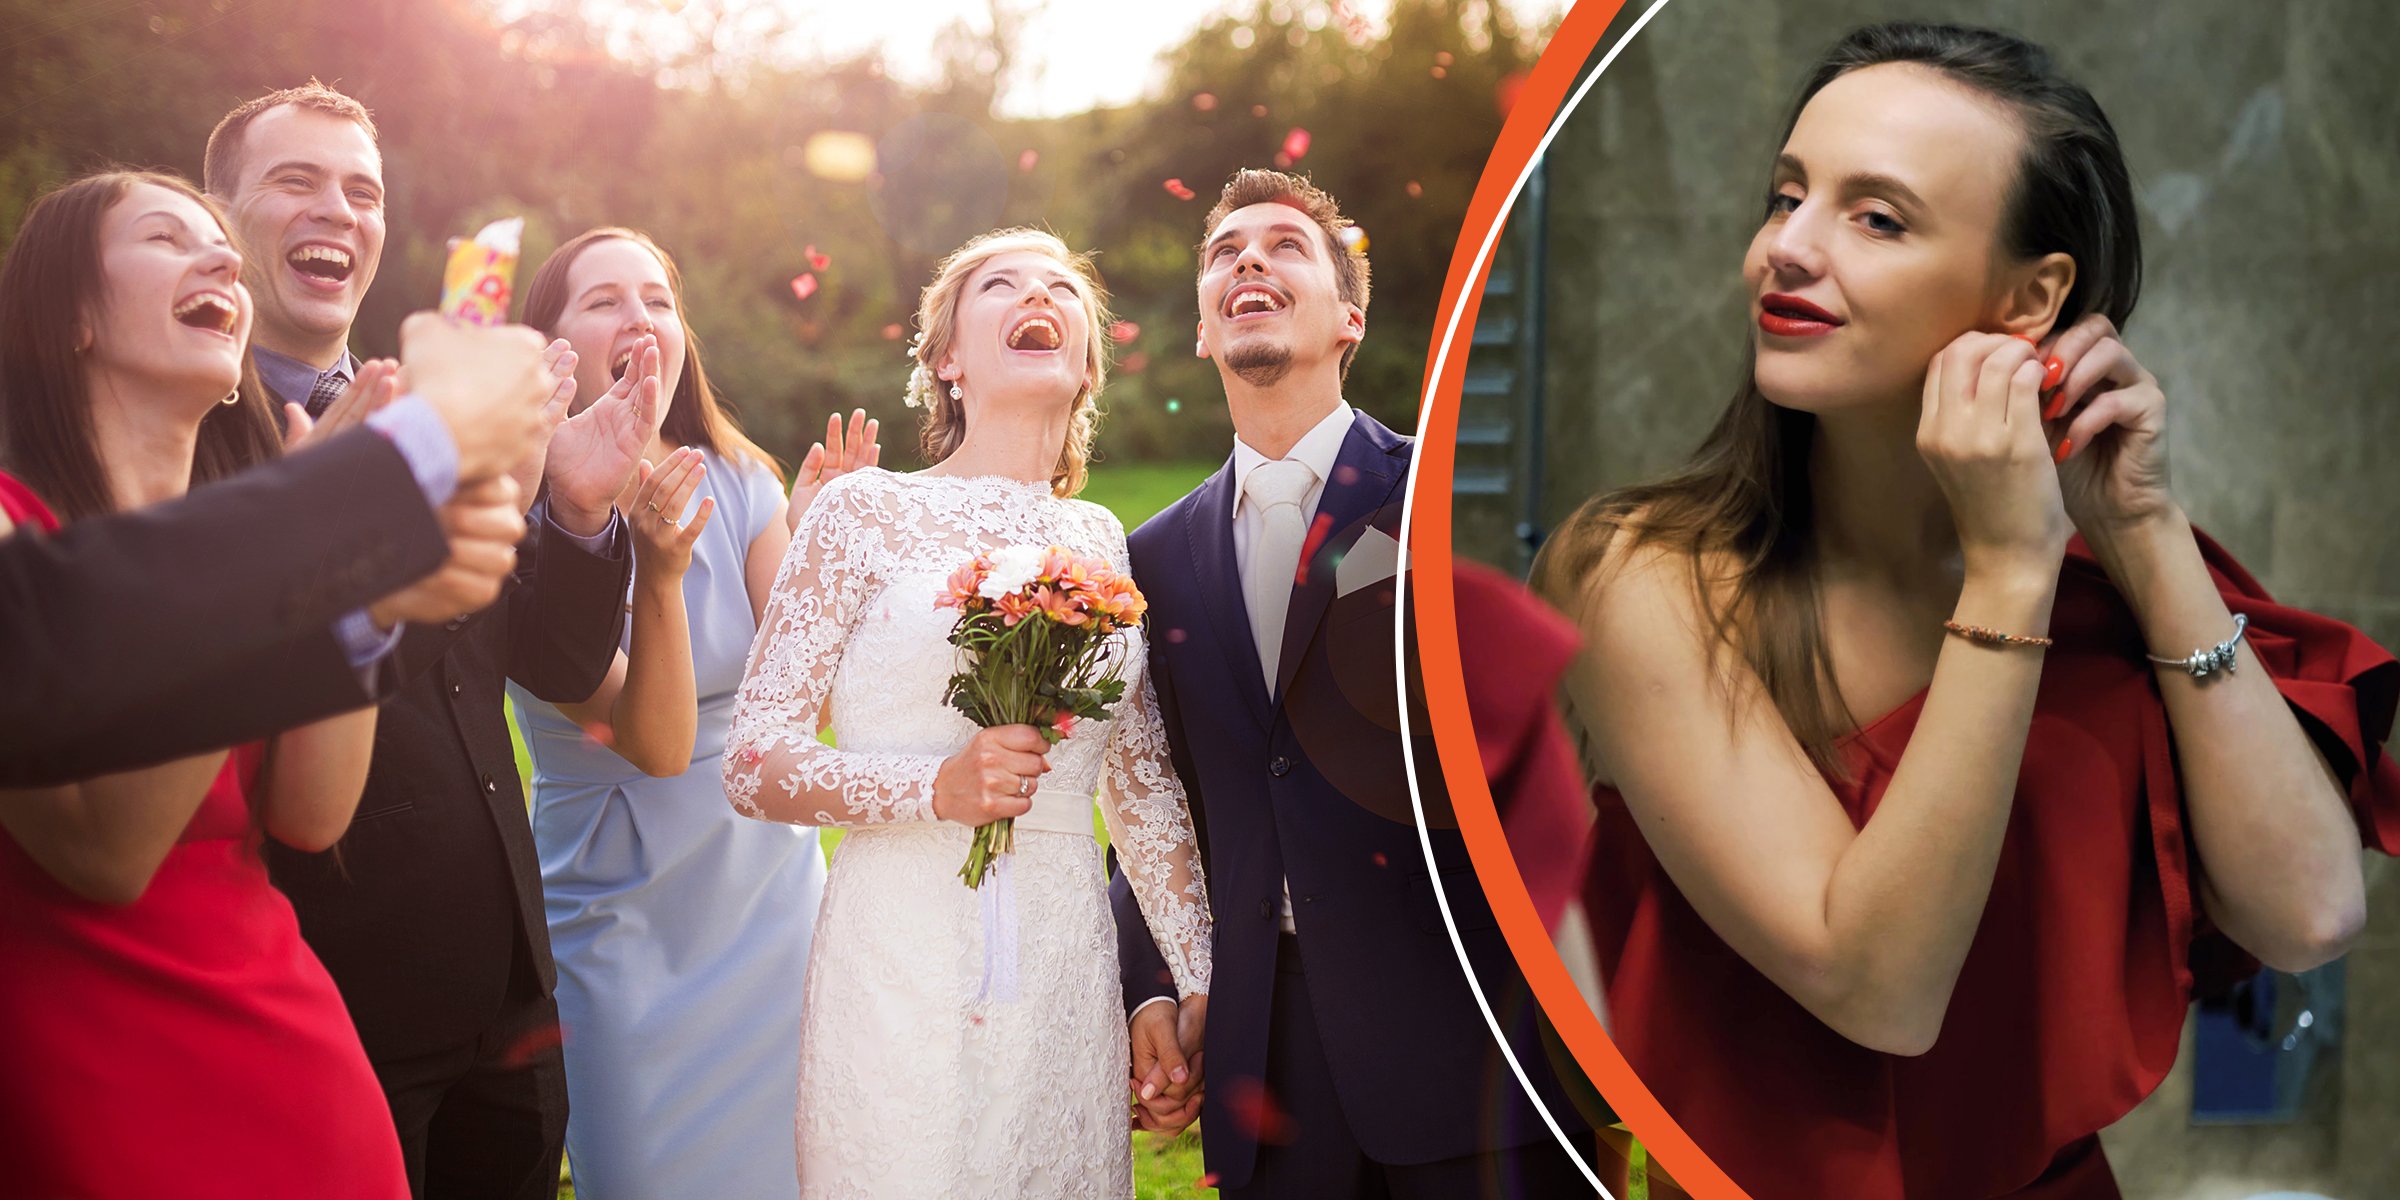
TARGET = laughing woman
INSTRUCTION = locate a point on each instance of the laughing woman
(681, 930)
(163, 1024)
(1918, 809)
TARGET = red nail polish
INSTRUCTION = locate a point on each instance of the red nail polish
(2026, 338)
(2054, 406)
(2066, 446)
(2052, 373)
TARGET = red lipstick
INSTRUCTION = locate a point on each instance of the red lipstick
(1791, 316)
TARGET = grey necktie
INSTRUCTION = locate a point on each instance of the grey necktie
(1277, 489)
(325, 391)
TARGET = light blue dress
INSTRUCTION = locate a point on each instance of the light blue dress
(681, 928)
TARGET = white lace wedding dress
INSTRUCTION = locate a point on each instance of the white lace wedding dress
(954, 1042)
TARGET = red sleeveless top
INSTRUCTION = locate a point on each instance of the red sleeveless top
(2071, 1002)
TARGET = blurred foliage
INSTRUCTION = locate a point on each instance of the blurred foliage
(537, 108)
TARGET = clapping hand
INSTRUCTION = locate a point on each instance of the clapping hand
(832, 458)
(593, 454)
(485, 383)
(558, 358)
(662, 548)
(377, 382)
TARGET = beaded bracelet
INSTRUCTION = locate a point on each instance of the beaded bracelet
(1994, 637)
(2207, 661)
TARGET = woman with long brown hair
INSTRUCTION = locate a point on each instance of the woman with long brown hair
(164, 1021)
(1935, 745)
(672, 919)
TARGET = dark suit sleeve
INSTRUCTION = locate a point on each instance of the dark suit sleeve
(566, 613)
(221, 603)
(1142, 969)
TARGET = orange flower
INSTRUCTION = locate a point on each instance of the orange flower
(1063, 607)
(960, 591)
(1014, 607)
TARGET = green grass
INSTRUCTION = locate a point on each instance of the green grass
(1163, 1168)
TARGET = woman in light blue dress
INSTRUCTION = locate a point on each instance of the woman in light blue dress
(680, 928)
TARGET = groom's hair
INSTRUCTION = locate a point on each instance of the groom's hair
(1255, 185)
(222, 160)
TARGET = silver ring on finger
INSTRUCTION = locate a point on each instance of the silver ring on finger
(1024, 786)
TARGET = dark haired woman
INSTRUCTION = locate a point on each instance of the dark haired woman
(165, 1028)
(1916, 811)
(681, 930)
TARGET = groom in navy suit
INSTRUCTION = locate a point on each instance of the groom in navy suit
(1344, 1053)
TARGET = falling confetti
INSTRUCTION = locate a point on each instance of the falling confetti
(1177, 635)
(1354, 239)
(1441, 58)
(816, 259)
(1380, 860)
(891, 332)
(1204, 101)
(1174, 405)
(840, 156)
(1256, 1111)
(1258, 110)
(804, 285)
(1295, 144)
(1441, 72)
(1026, 160)
(1122, 332)
(1504, 94)
(1176, 189)
(1415, 189)
(1134, 362)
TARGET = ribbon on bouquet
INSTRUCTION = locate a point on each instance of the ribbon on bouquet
(999, 898)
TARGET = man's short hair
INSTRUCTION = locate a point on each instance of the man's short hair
(224, 155)
(1256, 185)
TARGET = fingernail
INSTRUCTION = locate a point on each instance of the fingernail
(1148, 1091)
(2052, 372)
(1179, 1075)
(2053, 406)
(2026, 338)
(2066, 446)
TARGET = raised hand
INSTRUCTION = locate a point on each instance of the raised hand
(1980, 433)
(2110, 418)
(375, 385)
(593, 454)
(558, 358)
(662, 548)
(485, 382)
(832, 458)
(484, 522)
(992, 777)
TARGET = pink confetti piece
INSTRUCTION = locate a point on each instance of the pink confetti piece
(1176, 189)
(891, 332)
(816, 259)
(1026, 159)
(1441, 58)
(1204, 101)
(1135, 362)
(804, 285)
(1441, 72)
(1122, 332)
(1380, 860)
(1415, 189)
(1295, 144)
(1258, 110)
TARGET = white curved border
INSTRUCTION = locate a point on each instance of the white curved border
(1433, 378)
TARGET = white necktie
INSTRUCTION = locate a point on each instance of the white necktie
(1276, 488)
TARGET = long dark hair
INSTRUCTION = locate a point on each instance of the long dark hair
(49, 285)
(695, 414)
(1740, 511)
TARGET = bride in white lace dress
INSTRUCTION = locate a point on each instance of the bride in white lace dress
(959, 1042)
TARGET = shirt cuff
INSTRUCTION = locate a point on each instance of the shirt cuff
(1137, 1009)
(601, 544)
(418, 433)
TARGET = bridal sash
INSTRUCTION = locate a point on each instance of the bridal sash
(1055, 810)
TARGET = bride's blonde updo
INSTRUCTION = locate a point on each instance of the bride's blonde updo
(944, 424)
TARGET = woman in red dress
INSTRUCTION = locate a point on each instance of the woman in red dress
(1917, 809)
(166, 1032)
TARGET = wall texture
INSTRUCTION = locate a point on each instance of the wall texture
(2267, 163)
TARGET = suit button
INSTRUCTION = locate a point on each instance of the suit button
(1266, 910)
(1280, 767)
(490, 786)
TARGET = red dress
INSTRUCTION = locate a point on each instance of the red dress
(188, 1044)
(2071, 1002)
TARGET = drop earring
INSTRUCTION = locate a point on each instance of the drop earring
(955, 394)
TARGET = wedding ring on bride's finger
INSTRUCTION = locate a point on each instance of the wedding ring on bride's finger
(1024, 786)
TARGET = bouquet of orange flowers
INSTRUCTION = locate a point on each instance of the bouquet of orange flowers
(1035, 624)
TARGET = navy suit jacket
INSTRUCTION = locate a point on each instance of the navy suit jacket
(1308, 785)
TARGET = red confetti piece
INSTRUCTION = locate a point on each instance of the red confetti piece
(1026, 160)
(600, 733)
(1317, 530)
(1258, 110)
(535, 1044)
(1441, 58)
(1204, 101)
(1122, 332)
(1176, 189)
(1380, 860)
(891, 332)
(1134, 362)
(803, 286)
(1256, 1111)
(1295, 143)
(1207, 1181)
(817, 259)
(1415, 189)
(1177, 635)
(1282, 160)
(1441, 72)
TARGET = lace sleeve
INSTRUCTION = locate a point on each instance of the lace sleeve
(1150, 823)
(776, 769)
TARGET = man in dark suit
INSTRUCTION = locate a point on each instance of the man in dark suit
(429, 912)
(110, 667)
(1345, 1055)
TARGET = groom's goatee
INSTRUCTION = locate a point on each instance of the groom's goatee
(1260, 366)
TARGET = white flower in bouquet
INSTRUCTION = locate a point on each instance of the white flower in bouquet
(1013, 569)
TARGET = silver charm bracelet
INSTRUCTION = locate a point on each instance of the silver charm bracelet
(2200, 664)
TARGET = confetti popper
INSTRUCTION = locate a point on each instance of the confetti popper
(475, 282)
